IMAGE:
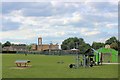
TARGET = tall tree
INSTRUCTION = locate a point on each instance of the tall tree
(111, 40)
(0, 47)
(84, 47)
(114, 46)
(75, 42)
(71, 43)
(0, 44)
(7, 43)
(97, 45)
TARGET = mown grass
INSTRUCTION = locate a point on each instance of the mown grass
(46, 66)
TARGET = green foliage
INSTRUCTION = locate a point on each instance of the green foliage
(97, 45)
(7, 43)
(0, 47)
(0, 43)
(111, 40)
(75, 42)
(68, 43)
(29, 47)
(114, 45)
(84, 47)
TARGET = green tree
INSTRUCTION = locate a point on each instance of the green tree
(0, 47)
(83, 47)
(7, 43)
(111, 40)
(114, 46)
(75, 42)
(71, 43)
(0, 44)
(29, 47)
(97, 45)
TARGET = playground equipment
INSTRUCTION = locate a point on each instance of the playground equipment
(108, 55)
(87, 59)
(98, 57)
(77, 59)
(95, 57)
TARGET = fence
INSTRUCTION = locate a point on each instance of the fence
(47, 52)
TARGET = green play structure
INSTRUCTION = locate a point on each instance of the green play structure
(107, 55)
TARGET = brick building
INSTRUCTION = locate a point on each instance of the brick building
(14, 48)
(42, 47)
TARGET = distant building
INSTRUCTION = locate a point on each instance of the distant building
(42, 47)
(15, 48)
(34, 47)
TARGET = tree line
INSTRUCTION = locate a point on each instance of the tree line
(8, 43)
(80, 44)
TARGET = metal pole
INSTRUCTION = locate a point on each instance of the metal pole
(77, 55)
(84, 61)
(77, 60)
(98, 58)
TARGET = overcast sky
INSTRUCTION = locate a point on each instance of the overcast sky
(24, 22)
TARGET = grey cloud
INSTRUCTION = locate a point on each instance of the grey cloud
(8, 25)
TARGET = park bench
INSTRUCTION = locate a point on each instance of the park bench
(22, 63)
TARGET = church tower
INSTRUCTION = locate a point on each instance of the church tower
(40, 43)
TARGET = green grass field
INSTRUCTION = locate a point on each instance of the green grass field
(46, 66)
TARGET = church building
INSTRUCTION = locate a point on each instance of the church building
(42, 47)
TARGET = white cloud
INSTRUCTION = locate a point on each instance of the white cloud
(76, 17)
(33, 26)
(18, 34)
(83, 30)
(16, 42)
(60, 33)
(14, 16)
(96, 24)
(88, 32)
(56, 3)
(111, 14)
(56, 26)
(112, 25)
(103, 39)
(91, 33)
(61, 0)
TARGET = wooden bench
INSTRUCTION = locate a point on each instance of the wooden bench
(22, 63)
